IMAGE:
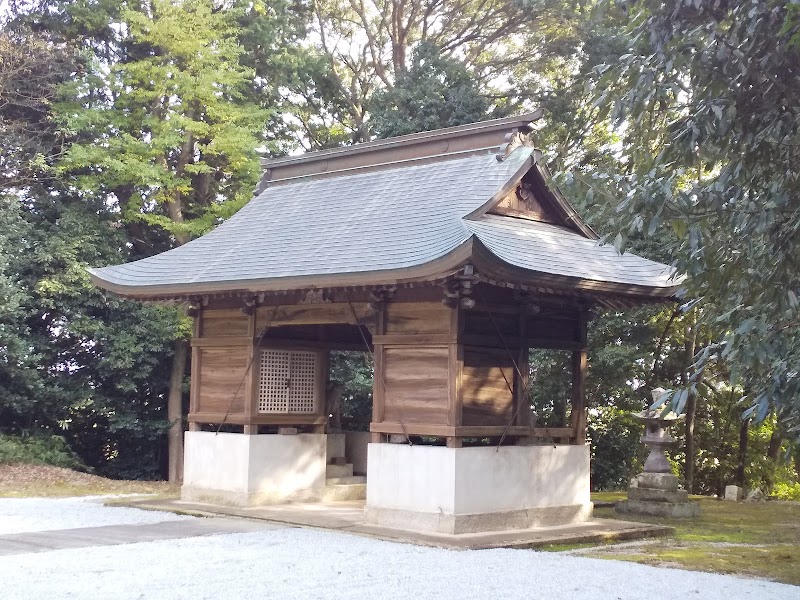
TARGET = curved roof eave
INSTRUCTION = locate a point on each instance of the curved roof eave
(440, 267)
(487, 261)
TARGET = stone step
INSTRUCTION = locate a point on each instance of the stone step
(345, 480)
(340, 493)
(339, 471)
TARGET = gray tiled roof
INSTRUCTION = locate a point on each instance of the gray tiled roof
(547, 248)
(378, 221)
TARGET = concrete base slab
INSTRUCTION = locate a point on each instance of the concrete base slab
(547, 516)
(455, 491)
(113, 535)
(349, 517)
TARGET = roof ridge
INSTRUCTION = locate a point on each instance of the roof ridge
(433, 145)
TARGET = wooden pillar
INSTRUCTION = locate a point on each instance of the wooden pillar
(378, 391)
(250, 384)
(520, 405)
(580, 367)
(194, 369)
(455, 403)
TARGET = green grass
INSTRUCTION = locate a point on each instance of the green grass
(758, 539)
(608, 496)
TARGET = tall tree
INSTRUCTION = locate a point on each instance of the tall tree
(435, 92)
(72, 363)
(367, 45)
(169, 132)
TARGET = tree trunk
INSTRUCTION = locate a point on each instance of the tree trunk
(743, 438)
(175, 411)
(773, 454)
(775, 442)
(691, 402)
(797, 462)
(691, 409)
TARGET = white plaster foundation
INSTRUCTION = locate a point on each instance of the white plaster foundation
(239, 469)
(467, 490)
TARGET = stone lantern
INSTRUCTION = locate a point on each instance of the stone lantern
(657, 491)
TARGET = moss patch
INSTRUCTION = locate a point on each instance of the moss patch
(758, 540)
(780, 562)
(733, 522)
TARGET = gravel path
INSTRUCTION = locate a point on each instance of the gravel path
(294, 563)
(22, 515)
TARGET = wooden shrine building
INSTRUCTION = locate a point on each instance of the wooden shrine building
(448, 255)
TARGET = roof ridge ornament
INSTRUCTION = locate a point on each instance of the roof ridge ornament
(514, 140)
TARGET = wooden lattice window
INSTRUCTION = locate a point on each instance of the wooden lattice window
(288, 382)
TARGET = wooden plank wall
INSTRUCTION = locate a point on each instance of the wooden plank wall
(415, 348)
(222, 374)
(222, 349)
(487, 386)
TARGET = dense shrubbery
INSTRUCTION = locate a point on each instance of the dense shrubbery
(786, 491)
(45, 450)
(617, 454)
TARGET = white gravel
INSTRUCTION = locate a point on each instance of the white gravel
(304, 564)
(22, 515)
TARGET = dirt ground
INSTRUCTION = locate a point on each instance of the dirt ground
(26, 480)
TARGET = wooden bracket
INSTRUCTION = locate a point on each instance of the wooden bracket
(458, 288)
(380, 296)
(249, 304)
(196, 304)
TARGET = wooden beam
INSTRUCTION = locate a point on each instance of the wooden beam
(313, 314)
(291, 344)
(552, 432)
(259, 419)
(414, 339)
(493, 341)
(491, 431)
(470, 430)
(223, 340)
(455, 368)
(413, 429)
(195, 366)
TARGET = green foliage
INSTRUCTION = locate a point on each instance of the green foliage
(355, 370)
(786, 491)
(45, 450)
(708, 143)
(435, 92)
(169, 129)
(617, 453)
(92, 369)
